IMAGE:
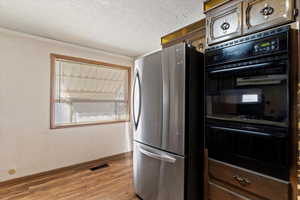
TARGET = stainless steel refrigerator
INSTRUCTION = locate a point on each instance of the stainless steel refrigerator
(167, 108)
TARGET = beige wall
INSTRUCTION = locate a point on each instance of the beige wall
(26, 142)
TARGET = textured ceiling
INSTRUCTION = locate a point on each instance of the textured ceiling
(128, 27)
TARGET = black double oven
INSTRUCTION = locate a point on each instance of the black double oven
(247, 102)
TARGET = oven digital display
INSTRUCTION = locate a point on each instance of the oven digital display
(249, 98)
(265, 44)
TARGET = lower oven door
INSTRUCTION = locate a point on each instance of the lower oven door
(158, 175)
(266, 153)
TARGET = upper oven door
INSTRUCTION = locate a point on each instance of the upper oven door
(255, 94)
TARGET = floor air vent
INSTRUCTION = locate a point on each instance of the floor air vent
(99, 167)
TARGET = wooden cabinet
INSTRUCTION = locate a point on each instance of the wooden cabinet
(235, 183)
(217, 192)
(211, 4)
(236, 17)
(193, 34)
(224, 22)
(262, 14)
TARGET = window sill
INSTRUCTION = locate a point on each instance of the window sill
(52, 126)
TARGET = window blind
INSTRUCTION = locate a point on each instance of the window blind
(90, 93)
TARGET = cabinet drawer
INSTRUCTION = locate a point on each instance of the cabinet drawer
(255, 183)
(224, 22)
(262, 14)
(217, 192)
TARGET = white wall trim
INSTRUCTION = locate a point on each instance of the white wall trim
(51, 40)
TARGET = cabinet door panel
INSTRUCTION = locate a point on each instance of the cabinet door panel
(224, 23)
(262, 14)
(217, 192)
(249, 181)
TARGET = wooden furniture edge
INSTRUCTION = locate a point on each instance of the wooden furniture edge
(206, 176)
(84, 165)
(294, 173)
(190, 37)
(200, 31)
(214, 7)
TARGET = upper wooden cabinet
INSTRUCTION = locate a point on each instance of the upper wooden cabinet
(224, 22)
(211, 4)
(233, 18)
(261, 14)
(193, 34)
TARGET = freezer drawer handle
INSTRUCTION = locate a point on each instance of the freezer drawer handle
(159, 157)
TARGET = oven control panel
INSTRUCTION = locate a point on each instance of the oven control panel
(266, 46)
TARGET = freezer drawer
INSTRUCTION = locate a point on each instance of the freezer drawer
(157, 175)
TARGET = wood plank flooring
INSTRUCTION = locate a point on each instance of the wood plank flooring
(111, 183)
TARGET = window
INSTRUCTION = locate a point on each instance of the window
(88, 92)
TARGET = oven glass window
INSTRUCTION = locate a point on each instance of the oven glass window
(265, 154)
(254, 98)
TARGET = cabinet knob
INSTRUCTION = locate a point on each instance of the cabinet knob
(267, 11)
(225, 26)
(241, 180)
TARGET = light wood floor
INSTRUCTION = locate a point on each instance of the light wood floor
(112, 183)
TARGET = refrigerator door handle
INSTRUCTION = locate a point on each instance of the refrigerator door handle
(158, 157)
(136, 116)
(166, 97)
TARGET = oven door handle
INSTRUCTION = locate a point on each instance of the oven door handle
(248, 132)
(242, 67)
